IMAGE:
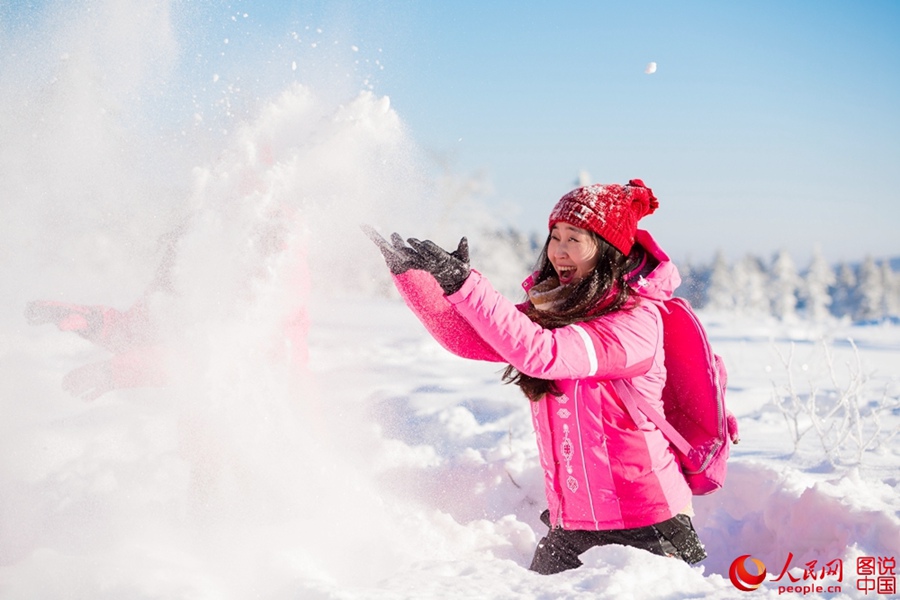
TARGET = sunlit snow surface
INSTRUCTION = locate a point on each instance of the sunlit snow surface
(392, 470)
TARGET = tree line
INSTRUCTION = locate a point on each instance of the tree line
(866, 291)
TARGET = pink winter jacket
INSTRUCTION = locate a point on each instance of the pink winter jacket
(601, 469)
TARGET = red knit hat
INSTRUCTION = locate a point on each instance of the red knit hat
(611, 211)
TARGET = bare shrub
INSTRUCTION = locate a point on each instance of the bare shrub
(844, 413)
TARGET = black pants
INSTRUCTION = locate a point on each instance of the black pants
(559, 550)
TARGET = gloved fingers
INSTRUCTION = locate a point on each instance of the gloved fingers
(462, 250)
(435, 250)
(373, 235)
(449, 269)
(398, 256)
(410, 258)
(398, 242)
(399, 250)
(429, 249)
(417, 246)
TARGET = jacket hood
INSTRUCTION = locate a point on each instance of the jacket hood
(660, 284)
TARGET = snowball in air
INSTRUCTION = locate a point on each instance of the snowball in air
(651, 68)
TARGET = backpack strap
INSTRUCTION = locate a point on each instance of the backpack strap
(636, 404)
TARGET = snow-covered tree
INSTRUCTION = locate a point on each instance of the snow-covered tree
(750, 286)
(844, 297)
(783, 286)
(891, 286)
(871, 291)
(720, 294)
(819, 280)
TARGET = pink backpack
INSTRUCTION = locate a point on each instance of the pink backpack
(696, 422)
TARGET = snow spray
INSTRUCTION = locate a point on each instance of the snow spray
(177, 244)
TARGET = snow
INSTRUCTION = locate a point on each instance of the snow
(311, 440)
(403, 473)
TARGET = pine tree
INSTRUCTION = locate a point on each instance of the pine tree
(891, 286)
(819, 280)
(783, 285)
(844, 297)
(871, 291)
(750, 286)
(720, 294)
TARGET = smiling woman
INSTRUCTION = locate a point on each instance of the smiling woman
(573, 252)
(591, 324)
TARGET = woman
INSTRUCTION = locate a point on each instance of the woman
(590, 325)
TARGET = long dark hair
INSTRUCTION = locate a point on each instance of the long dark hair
(605, 290)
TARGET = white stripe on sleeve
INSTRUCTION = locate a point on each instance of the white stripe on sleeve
(589, 347)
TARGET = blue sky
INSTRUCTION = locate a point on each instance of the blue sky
(767, 125)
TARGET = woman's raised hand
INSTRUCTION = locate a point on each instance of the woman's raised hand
(450, 269)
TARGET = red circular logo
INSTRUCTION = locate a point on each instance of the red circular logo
(742, 578)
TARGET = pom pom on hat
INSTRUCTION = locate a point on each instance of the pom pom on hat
(612, 211)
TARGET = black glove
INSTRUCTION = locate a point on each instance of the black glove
(399, 257)
(450, 269)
